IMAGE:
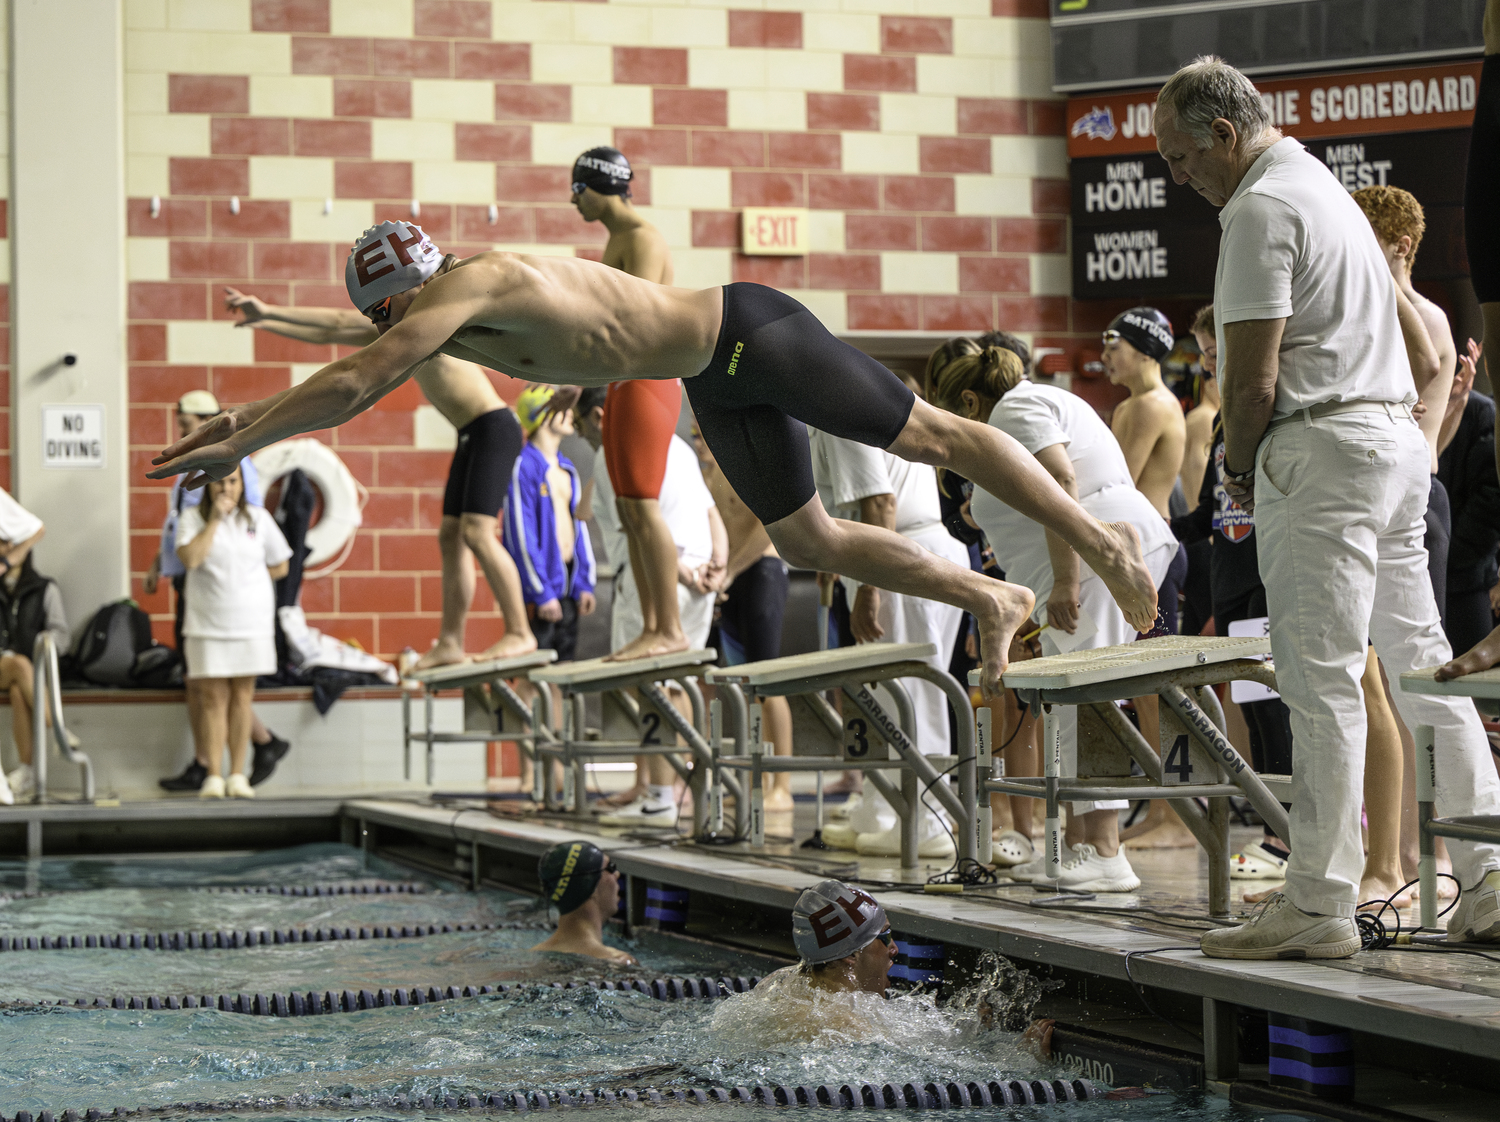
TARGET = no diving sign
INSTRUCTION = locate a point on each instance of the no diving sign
(72, 436)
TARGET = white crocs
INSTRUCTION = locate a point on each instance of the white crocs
(1256, 862)
(1010, 849)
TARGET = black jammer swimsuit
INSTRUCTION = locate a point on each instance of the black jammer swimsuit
(775, 370)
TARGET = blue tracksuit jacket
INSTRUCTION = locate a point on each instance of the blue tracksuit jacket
(530, 533)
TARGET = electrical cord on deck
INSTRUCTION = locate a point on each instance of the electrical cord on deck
(1140, 990)
(1374, 935)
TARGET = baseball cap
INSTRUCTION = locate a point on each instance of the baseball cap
(569, 872)
(833, 920)
(200, 403)
(1145, 329)
(388, 259)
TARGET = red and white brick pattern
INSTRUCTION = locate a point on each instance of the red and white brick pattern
(922, 134)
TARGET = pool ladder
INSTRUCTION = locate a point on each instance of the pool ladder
(47, 690)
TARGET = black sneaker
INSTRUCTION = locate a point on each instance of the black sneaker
(190, 780)
(267, 756)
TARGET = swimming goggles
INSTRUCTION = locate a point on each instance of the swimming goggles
(611, 867)
(1111, 337)
(580, 188)
(887, 938)
(381, 312)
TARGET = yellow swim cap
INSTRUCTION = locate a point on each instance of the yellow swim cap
(531, 406)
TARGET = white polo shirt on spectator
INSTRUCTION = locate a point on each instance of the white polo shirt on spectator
(231, 595)
(17, 524)
(1294, 248)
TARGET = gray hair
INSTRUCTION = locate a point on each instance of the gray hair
(1209, 88)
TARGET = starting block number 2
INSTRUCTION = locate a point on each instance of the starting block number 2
(1177, 768)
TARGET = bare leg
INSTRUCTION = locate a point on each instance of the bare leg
(259, 734)
(1000, 465)
(653, 557)
(1101, 829)
(458, 594)
(500, 573)
(810, 539)
(16, 679)
(213, 720)
(237, 723)
(776, 720)
(1384, 767)
(1162, 828)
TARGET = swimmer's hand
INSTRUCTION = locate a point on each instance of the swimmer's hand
(251, 308)
(1062, 608)
(1241, 494)
(586, 603)
(208, 453)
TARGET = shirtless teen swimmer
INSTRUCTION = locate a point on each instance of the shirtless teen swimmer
(489, 440)
(641, 415)
(757, 364)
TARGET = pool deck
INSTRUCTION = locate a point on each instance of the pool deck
(1440, 1000)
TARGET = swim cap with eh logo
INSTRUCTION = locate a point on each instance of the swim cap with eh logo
(569, 872)
(833, 920)
(391, 258)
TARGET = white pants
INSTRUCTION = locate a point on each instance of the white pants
(1340, 503)
(1097, 602)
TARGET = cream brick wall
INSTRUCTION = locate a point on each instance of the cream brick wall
(146, 93)
(293, 95)
(392, 18)
(610, 24)
(690, 27)
(924, 114)
(825, 231)
(195, 343)
(205, 52)
(926, 273)
(675, 223)
(830, 307)
(817, 71)
(1045, 156)
(777, 110)
(147, 175)
(570, 62)
(523, 21)
(621, 106)
(733, 68)
(459, 181)
(452, 100)
(560, 144)
(177, 134)
(348, 219)
(290, 177)
(698, 188)
(395, 138)
(702, 268)
(881, 152)
(209, 15)
(841, 31)
(1005, 195)
(1051, 274)
(146, 259)
(433, 432)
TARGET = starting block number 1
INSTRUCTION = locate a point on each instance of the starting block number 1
(1177, 768)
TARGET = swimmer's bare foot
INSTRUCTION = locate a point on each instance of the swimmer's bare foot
(1446, 889)
(1376, 886)
(509, 646)
(1486, 653)
(779, 801)
(445, 652)
(1257, 897)
(1162, 829)
(1000, 611)
(649, 644)
(1118, 561)
(621, 798)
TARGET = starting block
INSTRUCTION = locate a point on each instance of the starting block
(511, 719)
(1484, 688)
(867, 738)
(1196, 760)
(629, 728)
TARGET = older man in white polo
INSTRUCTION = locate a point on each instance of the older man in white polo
(1320, 442)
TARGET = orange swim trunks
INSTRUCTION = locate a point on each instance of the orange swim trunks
(639, 420)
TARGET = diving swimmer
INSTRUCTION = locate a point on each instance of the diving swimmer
(758, 368)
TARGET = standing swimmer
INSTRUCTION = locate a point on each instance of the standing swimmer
(639, 416)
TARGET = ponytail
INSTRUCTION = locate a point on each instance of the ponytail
(991, 373)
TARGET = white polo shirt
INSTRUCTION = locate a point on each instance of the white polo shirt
(1296, 245)
(846, 471)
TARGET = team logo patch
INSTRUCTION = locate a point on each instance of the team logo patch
(1096, 124)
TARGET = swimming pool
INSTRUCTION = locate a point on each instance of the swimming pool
(55, 1056)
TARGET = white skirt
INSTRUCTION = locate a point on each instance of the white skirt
(230, 658)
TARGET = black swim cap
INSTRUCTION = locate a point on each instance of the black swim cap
(569, 873)
(606, 170)
(1145, 329)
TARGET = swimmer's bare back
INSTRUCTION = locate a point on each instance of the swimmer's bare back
(562, 321)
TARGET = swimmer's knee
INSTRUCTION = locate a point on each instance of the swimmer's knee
(927, 437)
(476, 529)
(450, 531)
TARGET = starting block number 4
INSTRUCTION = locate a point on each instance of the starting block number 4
(1177, 766)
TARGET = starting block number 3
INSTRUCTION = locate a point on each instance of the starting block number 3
(859, 746)
(1177, 767)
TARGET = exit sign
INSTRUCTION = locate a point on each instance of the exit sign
(767, 231)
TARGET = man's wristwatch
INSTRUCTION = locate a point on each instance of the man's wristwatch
(1238, 476)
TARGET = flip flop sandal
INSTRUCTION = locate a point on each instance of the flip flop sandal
(1012, 848)
(1257, 863)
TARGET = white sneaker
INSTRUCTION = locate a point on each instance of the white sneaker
(213, 787)
(1036, 868)
(1477, 917)
(1279, 929)
(7, 796)
(840, 835)
(22, 781)
(239, 787)
(933, 841)
(642, 812)
(1086, 871)
(1256, 862)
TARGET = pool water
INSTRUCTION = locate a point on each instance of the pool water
(55, 1057)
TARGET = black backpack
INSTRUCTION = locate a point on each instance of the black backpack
(116, 647)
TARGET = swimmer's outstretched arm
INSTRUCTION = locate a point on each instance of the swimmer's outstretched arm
(339, 391)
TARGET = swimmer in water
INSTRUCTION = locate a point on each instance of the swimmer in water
(758, 367)
(584, 886)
